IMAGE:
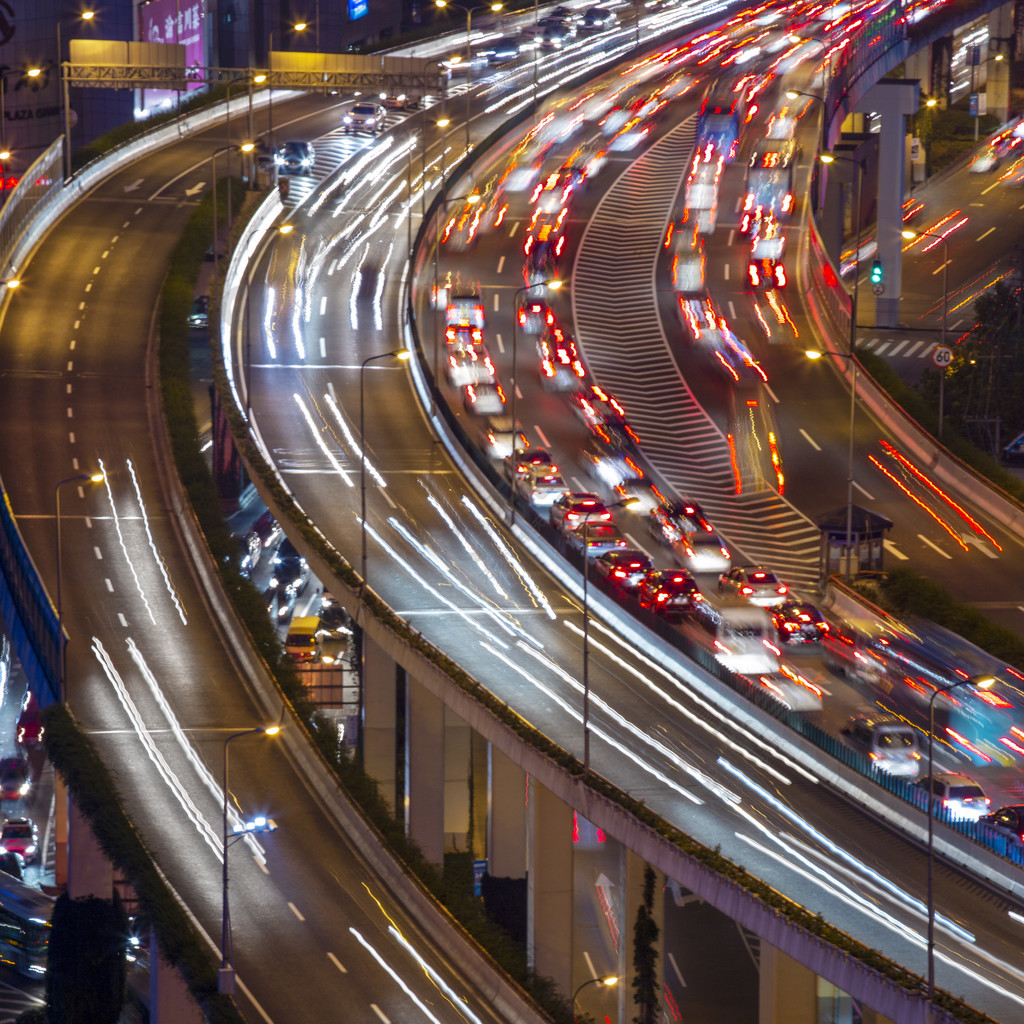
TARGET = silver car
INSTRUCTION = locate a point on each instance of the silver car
(364, 116)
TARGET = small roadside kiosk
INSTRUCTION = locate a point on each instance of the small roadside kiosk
(867, 542)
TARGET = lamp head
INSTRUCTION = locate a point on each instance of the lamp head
(827, 158)
(5, 154)
(443, 122)
(931, 102)
(440, 3)
(555, 285)
(247, 147)
(813, 353)
(791, 94)
(270, 730)
(34, 72)
(474, 198)
(13, 283)
(610, 980)
(299, 26)
(260, 78)
(97, 478)
(498, 7)
(286, 229)
(88, 15)
(984, 683)
(403, 355)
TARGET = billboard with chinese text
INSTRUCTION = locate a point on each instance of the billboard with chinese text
(182, 22)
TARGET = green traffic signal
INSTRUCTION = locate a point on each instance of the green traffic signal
(876, 272)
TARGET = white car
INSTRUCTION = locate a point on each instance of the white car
(364, 116)
(756, 584)
(541, 489)
(959, 795)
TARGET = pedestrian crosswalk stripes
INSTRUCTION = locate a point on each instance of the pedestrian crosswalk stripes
(620, 333)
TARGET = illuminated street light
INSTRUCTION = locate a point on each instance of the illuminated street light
(226, 974)
(981, 683)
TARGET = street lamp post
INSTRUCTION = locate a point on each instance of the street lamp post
(246, 147)
(226, 974)
(984, 683)
(909, 234)
(609, 981)
(299, 26)
(554, 285)
(403, 355)
(624, 503)
(61, 664)
(828, 158)
(495, 7)
(65, 97)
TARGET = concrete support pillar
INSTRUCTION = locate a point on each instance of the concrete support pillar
(425, 778)
(89, 871)
(506, 817)
(941, 76)
(458, 756)
(60, 830)
(550, 888)
(788, 992)
(479, 795)
(1000, 57)
(633, 870)
(379, 739)
(170, 1001)
(893, 99)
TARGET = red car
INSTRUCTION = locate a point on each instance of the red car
(671, 592)
(798, 622)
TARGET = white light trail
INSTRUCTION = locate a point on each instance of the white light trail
(394, 977)
(316, 432)
(433, 591)
(152, 547)
(469, 549)
(447, 573)
(570, 710)
(178, 791)
(121, 541)
(720, 737)
(711, 709)
(507, 554)
(350, 440)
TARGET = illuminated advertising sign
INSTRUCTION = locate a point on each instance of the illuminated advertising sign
(358, 9)
(174, 21)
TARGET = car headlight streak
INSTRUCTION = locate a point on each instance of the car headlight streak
(121, 541)
(152, 546)
(509, 556)
(321, 444)
(467, 547)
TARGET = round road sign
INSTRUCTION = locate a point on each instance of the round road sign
(878, 289)
(942, 356)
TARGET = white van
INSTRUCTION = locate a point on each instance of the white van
(892, 744)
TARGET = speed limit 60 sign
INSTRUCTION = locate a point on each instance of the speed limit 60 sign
(942, 356)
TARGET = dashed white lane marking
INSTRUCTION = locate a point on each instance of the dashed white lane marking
(122, 619)
(810, 440)
(110, 586)
(96, 551)
(501, 263)
(337, 963)
(380, 1013)
(295, 910)
(985, 235)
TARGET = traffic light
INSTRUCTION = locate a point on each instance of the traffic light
(876, 272)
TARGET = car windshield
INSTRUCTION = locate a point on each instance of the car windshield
(17, 832)
(363, 108)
